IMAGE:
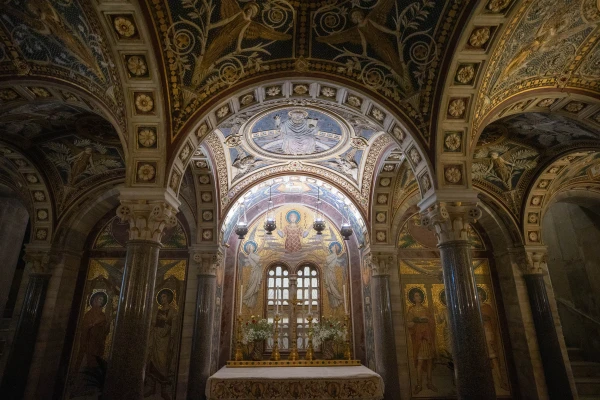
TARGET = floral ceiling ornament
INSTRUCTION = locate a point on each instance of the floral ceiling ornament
(574, 107)
(354, 101)
(457, 108)
(533, 218)
(223, 111)
(136, 65)
(31, 178)
(42, 215)
(124, 26)
(546, 102)
(273, 91)
(453, 141)
(453, 174)
(425, 182)
(378, 114)
(480, 36)
(465, 74)
(40, 92)
(39, 196)
(382, 198)
(414, 155)
(247, 99)
(328, 92)
(147, 137)
(146, 172)
(8, 94)
(185, 153)
(41, 234)
(144, 102)
(300, 89)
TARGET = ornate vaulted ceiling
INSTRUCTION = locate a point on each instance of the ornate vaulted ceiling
(546, 44)
(62, 40)
(515, 150)
(393, 49)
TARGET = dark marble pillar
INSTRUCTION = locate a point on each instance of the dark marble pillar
(553, 362)
(127, 362)
(383, 332)
(472, 369)
(21, 354)
(200, 358)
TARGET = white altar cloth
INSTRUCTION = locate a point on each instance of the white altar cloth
(298, 383)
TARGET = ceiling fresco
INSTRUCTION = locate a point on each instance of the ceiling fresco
(75, 148)
(510, 151)
(548, 43)
(393, 48)
(62, 39)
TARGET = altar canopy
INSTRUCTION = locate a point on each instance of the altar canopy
(297, 383)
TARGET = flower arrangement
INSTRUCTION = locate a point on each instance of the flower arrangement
(328, 329)
(257, 329)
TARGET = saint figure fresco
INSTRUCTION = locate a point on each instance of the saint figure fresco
(298, 132)
(422, 333)
(163, 339)
(252, 261)
(489, 327)
(293, 233)
(94, 330)
(334, 261)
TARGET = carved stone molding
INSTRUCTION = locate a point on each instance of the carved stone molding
(536, 261)
(147, 219)
(207, 263)
(450, 220)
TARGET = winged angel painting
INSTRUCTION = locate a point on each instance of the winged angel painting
(383, 53)
(503, 164)
(81, 159)
(220, 41)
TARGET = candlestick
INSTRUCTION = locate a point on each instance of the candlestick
(239, 355)
(310, 352)
(241, 297)
(347, 352)
(345, 303)
(310, 295)
(276, 303)
(275, 355)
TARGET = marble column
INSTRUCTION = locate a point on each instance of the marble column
(472, 369)
(203, 323)
(21, 354)
(555, 372)
(13, 223)
(383, 329)
(127, 361)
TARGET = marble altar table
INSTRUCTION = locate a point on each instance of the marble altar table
(295, 383)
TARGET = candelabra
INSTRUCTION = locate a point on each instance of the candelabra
(275, 356)
(347, 353)
(310, 352)
(294, 356)
(239, 355)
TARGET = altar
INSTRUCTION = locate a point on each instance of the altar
(298, 383)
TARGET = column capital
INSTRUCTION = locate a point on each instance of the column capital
(450, 220)
(381, 263)
(38, 260)
(208, 261)
(148, 211)
(536, 260)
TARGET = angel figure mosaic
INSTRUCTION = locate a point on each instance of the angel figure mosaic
(503, 164)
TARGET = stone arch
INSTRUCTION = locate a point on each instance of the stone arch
(400, 129)
(25, 90)
(570, 172)
(23, 175)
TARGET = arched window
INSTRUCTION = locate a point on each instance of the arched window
(278, 279)
(309, 301)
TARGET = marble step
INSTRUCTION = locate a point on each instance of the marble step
(588, 386)
(585, 369)
(575, 354)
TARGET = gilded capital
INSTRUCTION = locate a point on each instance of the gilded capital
(450, 220)
(207, 263)
(38, 262)
(147, 219)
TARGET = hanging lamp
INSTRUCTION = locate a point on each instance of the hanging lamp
(319, 223)
(270, 224)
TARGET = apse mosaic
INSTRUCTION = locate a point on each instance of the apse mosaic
(100, 302)
(292, 132)
(293, 186)
(294, 241)
(426, 318)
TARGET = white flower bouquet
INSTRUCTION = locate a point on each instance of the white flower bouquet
(256, 330)
(328, 329)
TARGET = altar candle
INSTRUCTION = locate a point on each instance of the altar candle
(276, 303)
(310, 295)
(241, 297)
(345, 303)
